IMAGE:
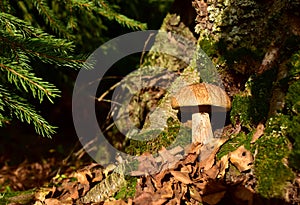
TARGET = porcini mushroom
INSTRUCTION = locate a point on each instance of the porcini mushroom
(199, 99)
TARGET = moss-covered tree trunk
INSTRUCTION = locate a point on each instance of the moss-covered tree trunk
(256, 47)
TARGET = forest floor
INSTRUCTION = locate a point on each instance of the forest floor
(44, 171)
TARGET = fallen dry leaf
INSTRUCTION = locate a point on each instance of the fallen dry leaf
(174, 201)
(182, 177)
(184, 191)
(41, 194)
(157, 180)
(258, 133)
(193, 148)
(147, 164)
(195, 194)
(241, 158)
(212, 186)
(201, 184)
(159, 201)
(52, 201)
(159, 177)
(116, 202)
(81, 177)
(149, 185)
(167, 158)
(143, 198)
(213, 172)
(208, 153)
(166, 192)
(223, 165)
(98, 175)
(187, 169)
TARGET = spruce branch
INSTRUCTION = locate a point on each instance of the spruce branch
(22, 76)
(46, 48)
(103, 8)
(25, 112)
(25, 44)
(5, 6)
(50, 18)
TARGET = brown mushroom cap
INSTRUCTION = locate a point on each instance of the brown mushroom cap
(201, 94)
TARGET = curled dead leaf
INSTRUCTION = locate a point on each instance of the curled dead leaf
(41, 194)
(182, 177)
(241, 158)
(52, 201)
(158, 178)
(258, 133)
(187, 169)
(223, 165)
(213, 172)
(195, 194)
(193, 148)
(166, 192)
(116, 202)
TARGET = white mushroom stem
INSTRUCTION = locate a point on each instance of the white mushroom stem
(201, 128)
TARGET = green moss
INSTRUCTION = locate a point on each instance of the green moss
(271, 171)
(293, 110)
(241, 110)
(293, 98)
(127, 191)
(208, 46)
(17, 197)
(252, 105)
(175, 134)
(234, 143)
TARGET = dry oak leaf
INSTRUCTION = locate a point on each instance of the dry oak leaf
(258, 133)
(166, 191)
(182, 177)
(147, 164)
(143, 198)
(159, 201)
(168, 157)
(149, 198)
(52, 201)
(195, 194)
(213, 172)
(184, 191)
(241, 158)
(193, 148)
(117, 202)
(81, 177)
(41, 194)
(200, 184)
(179, 191)
(159, 177)
(208, 153)
(223, 164)
(70, 190)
